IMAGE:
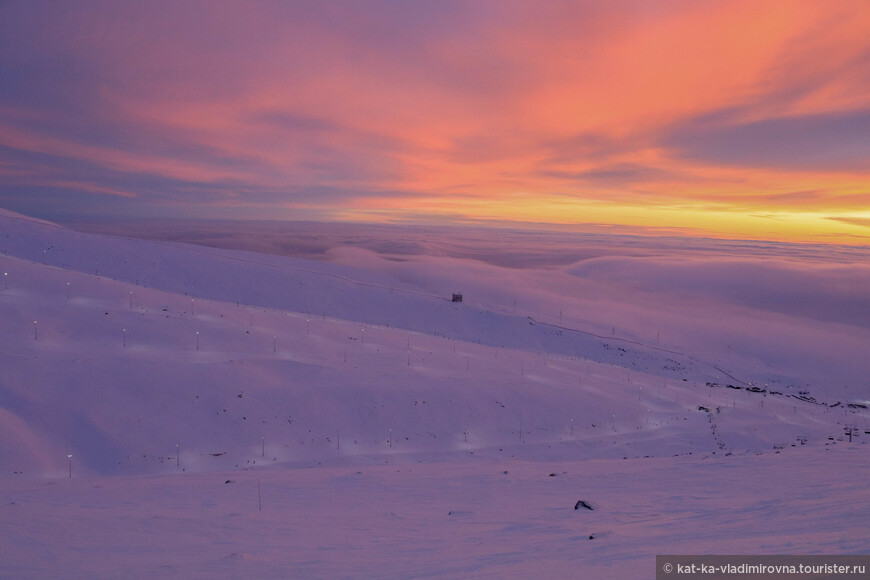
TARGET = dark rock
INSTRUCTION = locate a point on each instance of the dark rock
(582, 504)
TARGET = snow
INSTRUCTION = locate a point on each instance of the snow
(369, 427)
(445, 520)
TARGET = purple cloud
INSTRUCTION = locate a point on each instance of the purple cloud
(827, 142)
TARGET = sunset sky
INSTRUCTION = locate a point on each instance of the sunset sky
(725, 119)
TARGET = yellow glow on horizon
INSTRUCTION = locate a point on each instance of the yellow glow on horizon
(523, 208)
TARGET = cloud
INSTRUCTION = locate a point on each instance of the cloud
(829, 142)
(832, 293)
(395, 109)
(855, 221)
(618, 174)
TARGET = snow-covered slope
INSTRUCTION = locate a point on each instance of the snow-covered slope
(126, 354)
(128, 357)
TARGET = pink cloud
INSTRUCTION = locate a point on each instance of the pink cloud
(339, 108)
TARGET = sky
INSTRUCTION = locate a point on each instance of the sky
(744, 120)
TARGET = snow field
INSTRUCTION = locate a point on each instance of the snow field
(238, 375)
(191, 413)
(482, 519)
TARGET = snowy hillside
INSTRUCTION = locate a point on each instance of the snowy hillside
(134, 358)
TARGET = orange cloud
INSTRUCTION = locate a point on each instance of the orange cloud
(739, 118)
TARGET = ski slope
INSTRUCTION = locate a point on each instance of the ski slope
(178, 411)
